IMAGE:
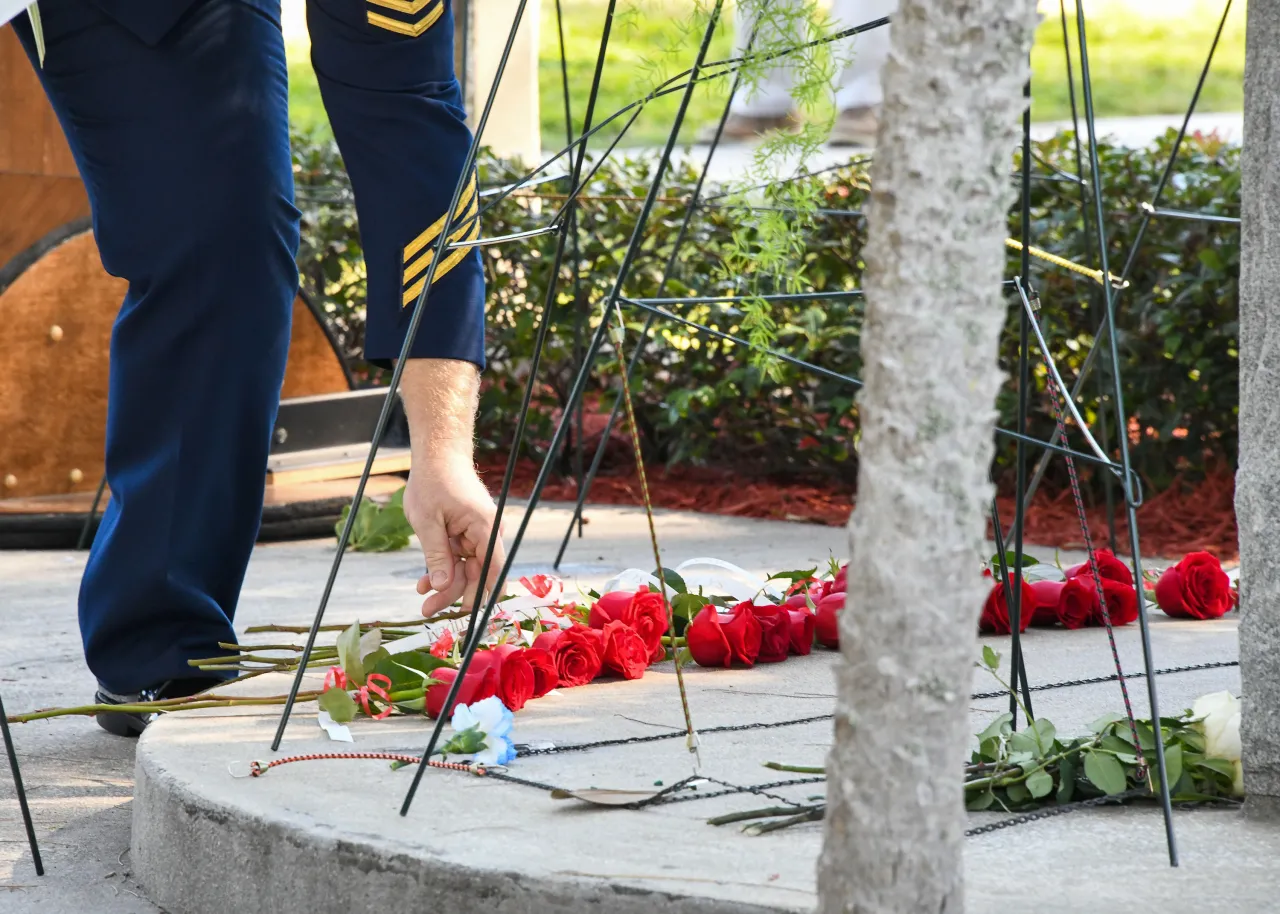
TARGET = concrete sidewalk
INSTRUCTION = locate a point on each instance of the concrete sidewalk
(328, 833)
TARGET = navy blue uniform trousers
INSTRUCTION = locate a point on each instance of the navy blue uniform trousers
(177, 114)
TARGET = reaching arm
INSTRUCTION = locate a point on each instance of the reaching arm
(446, 503)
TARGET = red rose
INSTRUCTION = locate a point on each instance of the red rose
(625, 652)
(706, 640)
(744, 633)
(1048, 594)
(995, 612)
(802, 625)
(1078, 604)
(547, 640)
(613, 606)
(1108, 567)
(514, 672)
(545, 677)
(1195, 588)
(798, 601)
(476, 686)
(649, 619)
(775, 631)
(1122, 603)
(577, 654)
(826, 623)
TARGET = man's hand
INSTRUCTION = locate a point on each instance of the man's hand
(452, 513)
(445, 502)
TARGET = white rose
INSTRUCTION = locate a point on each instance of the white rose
(1219, 716)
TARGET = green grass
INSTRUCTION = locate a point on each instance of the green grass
(1140, 65)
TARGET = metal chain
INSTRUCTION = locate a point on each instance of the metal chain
(1051, 811)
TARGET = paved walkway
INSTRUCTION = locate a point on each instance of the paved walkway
(82, 780)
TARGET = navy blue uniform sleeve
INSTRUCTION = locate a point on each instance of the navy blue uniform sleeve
(385, 69)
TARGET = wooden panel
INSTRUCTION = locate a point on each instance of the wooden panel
(32, 206)
(31, 139)
(334, 463)
(276, 495)
(313, 367)
(53, 393)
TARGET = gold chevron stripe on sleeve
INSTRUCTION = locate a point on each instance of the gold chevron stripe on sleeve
(414, 29)
(417, 244)
(403, 6)
(412, 293)
(420, 264)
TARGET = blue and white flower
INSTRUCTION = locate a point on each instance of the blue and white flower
(492, 720)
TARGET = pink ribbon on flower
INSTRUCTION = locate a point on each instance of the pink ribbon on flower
(336, 678)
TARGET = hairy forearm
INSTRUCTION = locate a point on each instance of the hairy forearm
(440, 400)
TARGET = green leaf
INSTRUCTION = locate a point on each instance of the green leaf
(1048, 733)
(684, 657)
(341, 706)
(1219, 765)
(998, 727)
(1011, 560)
(410, 669)
(1172, 763)
(1066, 779)
(414, 704)
(370, 642)
(673, 580)
(990, 659)
(1018, 794)
(981, 801)
(989, 749)
(794, 576)
(1039, 783)
(349, 654)
(1024, 741)
(1105, 721)
(1104, 772)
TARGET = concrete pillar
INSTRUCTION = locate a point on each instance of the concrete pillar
(1258, 478)
(481, 31)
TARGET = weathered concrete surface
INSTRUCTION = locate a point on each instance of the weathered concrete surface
(81, 779)
(1258, 479)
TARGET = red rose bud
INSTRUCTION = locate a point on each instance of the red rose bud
(802, 626)
(649, 619)
(1108, 567)
(706, 639)
(613, 606)
(577, 655)
(826, 624)
(1078, 604)
(1122, 603)
(515, 680)
(744, 634)
(1048, 593)
(545, 677)
(476, 686)
(995, 619)
(1195, 588)
(798, 601)
(625, 652)
(775, 631)
(547, 640)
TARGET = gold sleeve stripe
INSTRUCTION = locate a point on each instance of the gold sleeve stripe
(404, 28)
(403, 6)
(411, 294)
(420, 264)
(417, 244)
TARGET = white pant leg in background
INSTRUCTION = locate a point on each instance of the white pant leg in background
(772, 94)
(859, 83)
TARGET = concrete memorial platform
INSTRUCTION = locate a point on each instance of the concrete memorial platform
(321, 836)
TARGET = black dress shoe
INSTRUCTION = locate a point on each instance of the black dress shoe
(131, 724)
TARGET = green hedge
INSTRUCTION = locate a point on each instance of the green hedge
(700, 401)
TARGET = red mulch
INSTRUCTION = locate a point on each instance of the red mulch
(1181, 519)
